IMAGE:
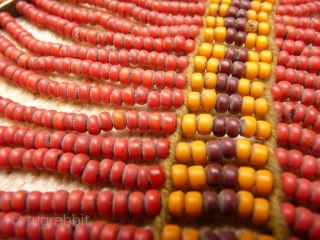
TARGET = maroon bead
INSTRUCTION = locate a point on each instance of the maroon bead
(214, 150)
(222, 79)
(227, 202)
(219, 126)
(214, 172)
(228, 147)
(229, 176)
(210, 202)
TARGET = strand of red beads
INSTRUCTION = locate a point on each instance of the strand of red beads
(298, 22)
(81, 123)
(121, 203)
(303, 10)
(298, 113)
(91, 171)
(294, 2)
(86, 92)
(301, 220)
(307, 165)
(114, 148)
(294, 136)
(295, 92)
(297, 77)
(178, 44)
(42, 227)
(297, 48)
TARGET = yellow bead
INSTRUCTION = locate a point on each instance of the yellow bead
(215, 1)
(247, 108)
(261, 43)
(253, 56)
(256, 89)
(193, 101)
(210, 80)
(198, 152)
(212, 65)
(255, 6)
(246, 178)
(264, 71)
(218, 51)
(265, 237)
(250, 40)
(248, 126)
(252, 26)
(243, 150)
(171, 232)
(200, 63)
(263, 28)
(266, 56)
(205, 124)
(183, 153)
(210, 22)
(260, 107)
(266, 7)
(252, 70)
(189, 125)
(261, 211)
(263, 130)
(245, 205)
(197, 82)
(193, 203)
(220, 34)
(190, 234)
(208, 99)
(219, 22)
(259, 154)
(262, 17)
(228, 2)
(205, 50)
(197, 177)
(213, 10)
(243, 87)
(208, 35)
(176, 203)
(264, 182)
(246, 235)
(179, 175)
(223, 10)
(251, 15)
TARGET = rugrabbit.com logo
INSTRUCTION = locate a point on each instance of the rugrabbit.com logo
(43, 221)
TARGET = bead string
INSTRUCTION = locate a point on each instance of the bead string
(122, 203)
(303, 10)
(91, 171)
(298, 22)
(297, 48)
(294, 2)
(109, 147)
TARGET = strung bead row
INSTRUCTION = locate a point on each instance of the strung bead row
(229, 176)
(295, 92)
(227, 202)
(294, 2)
(121, 203)
(81, 123)
(220, 52)
(174, 232)
(308, 36)
(42, 227)
(298, 113)
(307, 165)
(303, 63)
(297, 48)
(303, 10)
(298, 77)
(294, 136)
(205, 124)
(109, 147)
(301, 220)
(301, 189)
(298, 22)
(208, 100)
(91, 171)
(248, 70)
(222, 83)
(216, 150)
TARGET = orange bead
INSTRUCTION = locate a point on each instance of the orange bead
(255, 6)
(261, 211)
(246, 235)
(243, 150)
(213, 9)
(220, 22)
(251, 15)
(200, 63)
(256, 89)
(266, 7)
(264, 70)
(183, 153)
(252, 70)
(190, 234)
(205, 50)
(247, 108)
(266, 56)
(215, 2)
(264, 182)
(261, 43)
(212, 65)
(197, 177)
(243, 87)
(210, 22)
(205, 124)
(193, 101)
(265, 237)
(245, 205)
(171, 232)
(210, 80)
(260, 107)
(263, 130)
(248, 126)
(253, 56)
(197, 82)
(259, 154)
(208, 99)
(228, 2)
(176, 203)
(250, 40)
(179, 175)
(262, 17)
(119, 119)
(220, 34)
(218, 51)
(263, 28)
(223, 10)
(189, 125)
(208, 35)
(198, 152)
(252, 26)
(246, 178)
(193, 203)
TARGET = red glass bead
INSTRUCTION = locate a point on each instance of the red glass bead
(289, 183)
